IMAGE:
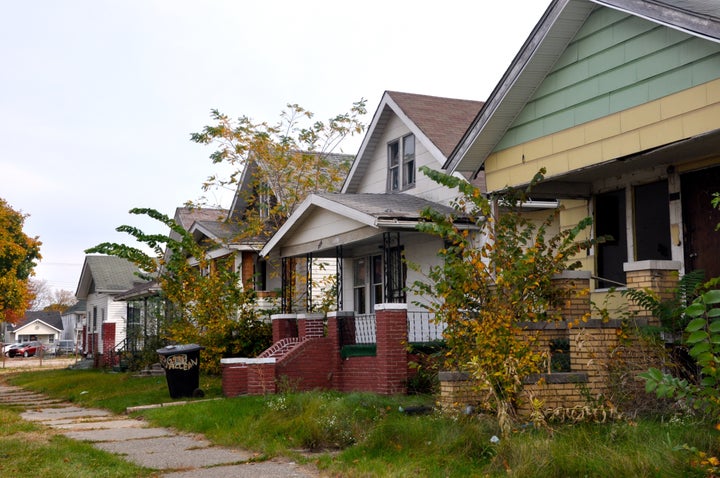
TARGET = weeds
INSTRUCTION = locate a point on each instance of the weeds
(366, 435)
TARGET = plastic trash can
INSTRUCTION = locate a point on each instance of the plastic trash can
(182, 369)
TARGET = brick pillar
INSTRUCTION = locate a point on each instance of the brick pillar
(575, 288)
(261, 376)
(337, 324)
(391, 338)
(234, 377)
(284, 326)
(311, 325)
(661, 277)
(108, 339)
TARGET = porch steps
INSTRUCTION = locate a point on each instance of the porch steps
(281, 348)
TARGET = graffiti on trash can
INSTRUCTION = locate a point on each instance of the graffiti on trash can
(178, 362)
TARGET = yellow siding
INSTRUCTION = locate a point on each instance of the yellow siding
(680, 103)
(606, 127)
(672, 118)
(584, 156)
(700, 121)
(620, 145)
(640, 116)
(573, 211)
(657, 134)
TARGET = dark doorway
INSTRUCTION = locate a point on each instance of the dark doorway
(652, 222)
(611, 254)
(701, 241)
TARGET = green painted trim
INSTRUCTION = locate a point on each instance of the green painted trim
(358, 350)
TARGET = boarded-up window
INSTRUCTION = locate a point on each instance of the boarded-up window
(612, 253)
(652, 222)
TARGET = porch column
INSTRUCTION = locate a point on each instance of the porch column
(284, 326)
(661, 277)
(391, 336)
(575, 287)
(336, 325)
(311, 325)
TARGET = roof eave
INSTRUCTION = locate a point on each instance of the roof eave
(315, 200)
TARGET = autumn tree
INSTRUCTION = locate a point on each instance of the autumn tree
(209, 307)
(491, 282)
(279, 165)
(286, 160)
(45, 298)
(18, 256)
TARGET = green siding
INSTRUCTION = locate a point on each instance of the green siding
(615, 62)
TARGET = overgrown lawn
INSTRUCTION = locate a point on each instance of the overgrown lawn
(366, 435)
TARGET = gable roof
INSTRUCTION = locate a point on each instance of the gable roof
(51, 318)
(437, 122)
(548, 40)
(78, 308)
(186, 216)
(109, 274)
(147, 289)
(391, 211)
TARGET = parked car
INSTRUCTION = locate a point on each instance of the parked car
(28, 349)
(65, 347)
(10, 350)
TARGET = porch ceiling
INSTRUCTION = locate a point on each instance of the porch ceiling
(577, 184)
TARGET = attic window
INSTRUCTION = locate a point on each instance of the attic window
(401, 164)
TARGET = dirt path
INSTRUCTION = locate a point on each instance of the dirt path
(36, 363)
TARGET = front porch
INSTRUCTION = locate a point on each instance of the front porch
(344, 352)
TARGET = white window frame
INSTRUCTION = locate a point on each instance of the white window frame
(401, 174)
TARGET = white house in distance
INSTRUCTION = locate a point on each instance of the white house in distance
(44, 326)
(101, 280)
(73, 320)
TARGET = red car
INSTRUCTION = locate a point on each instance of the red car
(28, 349)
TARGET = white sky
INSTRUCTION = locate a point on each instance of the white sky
(98, 98)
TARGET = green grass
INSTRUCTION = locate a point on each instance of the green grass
(31, 450)
(366, 435)
(109, 390)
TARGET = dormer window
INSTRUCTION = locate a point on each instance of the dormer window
(401, 164)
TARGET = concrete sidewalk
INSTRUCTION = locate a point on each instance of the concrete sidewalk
(173, 454)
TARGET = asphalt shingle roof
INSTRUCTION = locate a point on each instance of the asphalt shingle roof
(112, 274)
(50, 317)
(387, 206)
(442, 120)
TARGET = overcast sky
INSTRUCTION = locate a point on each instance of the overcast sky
(98, 98)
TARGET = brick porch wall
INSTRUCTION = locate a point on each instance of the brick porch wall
(316, 363)
(594, 346)
(661, 277)
(108, 338)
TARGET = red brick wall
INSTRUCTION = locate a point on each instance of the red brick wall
(311, 325)
(360, 374)
(392, 356)
(234, 380)
(309, 366)
(261, 379)
(284, 327)
(108, 338)
(316, 363)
